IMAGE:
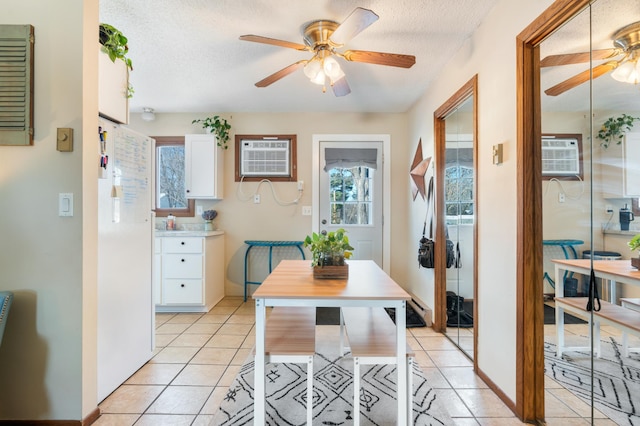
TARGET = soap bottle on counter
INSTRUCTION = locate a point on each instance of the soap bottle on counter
(171, 222)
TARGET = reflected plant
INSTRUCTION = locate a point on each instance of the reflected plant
(614, 129)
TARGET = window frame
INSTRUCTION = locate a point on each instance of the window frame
(188, 211)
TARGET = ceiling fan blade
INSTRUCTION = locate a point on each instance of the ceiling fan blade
(380, 58)
(355, 23)
(341, 87)
(578, 58)
(583, 77)
(280, 74)
(273, 41)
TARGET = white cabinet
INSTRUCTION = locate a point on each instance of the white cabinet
(620, 168)
(191, 272)
(113, 87)
(203, 167)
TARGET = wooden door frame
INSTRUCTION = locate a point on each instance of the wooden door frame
(530, 309)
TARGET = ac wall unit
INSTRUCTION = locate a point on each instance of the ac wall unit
(265, 157)
(560, 156)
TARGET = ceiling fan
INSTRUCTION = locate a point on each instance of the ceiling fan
(626, 68)
(323, 38)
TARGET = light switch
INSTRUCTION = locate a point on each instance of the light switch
(497, 154)
(65, 204)
(65, 139)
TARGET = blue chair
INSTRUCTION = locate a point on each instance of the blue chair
(5, 303)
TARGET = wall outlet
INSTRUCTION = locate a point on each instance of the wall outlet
(256, 199)
(306, 210)
(561, 197)
(199, 210)
(300, 185)
(609, 208)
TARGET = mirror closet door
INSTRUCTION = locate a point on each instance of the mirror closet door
(588, 214)
(459, 226)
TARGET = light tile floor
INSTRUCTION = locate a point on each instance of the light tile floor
(197, 357)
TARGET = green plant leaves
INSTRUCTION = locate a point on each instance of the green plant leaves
(614, 129)
(327, 245)
(218, 126)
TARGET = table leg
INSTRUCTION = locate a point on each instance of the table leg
(401, 350)
(259, 370)
(612, 292)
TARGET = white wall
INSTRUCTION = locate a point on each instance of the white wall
(490, 53)
(49, 262)
(244, 220)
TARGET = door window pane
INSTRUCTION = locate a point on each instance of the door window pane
(170, 178)
(351, 195)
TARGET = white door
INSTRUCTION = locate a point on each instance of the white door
(351, 196)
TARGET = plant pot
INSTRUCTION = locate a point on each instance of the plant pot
(208, 226)
(331, 272)
(635, 262)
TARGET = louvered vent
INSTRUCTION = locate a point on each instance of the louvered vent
(16, 84)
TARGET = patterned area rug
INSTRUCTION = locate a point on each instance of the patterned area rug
(616, 379)
(332, 393)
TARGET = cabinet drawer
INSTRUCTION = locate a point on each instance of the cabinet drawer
(181, 292)
(182, 266)
(182, 245)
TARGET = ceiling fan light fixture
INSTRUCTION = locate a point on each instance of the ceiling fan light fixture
(148, 114)
(332, 68)
(629, 72)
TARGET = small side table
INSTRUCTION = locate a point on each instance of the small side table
(271, 244)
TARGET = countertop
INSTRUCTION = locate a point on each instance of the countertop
(189, 233)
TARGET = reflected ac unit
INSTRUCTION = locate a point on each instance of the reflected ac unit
(560, 156)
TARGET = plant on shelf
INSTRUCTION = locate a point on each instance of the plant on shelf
(614, 129)
(114, 44)
(218, 126)
(208, 216)
(329, 249)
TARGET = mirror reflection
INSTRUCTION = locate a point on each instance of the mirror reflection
(589, 74)
(459, 214)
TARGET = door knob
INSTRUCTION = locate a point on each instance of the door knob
(323, 232)
(324, 221)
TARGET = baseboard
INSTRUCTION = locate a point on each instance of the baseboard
(88, 420)
(422, 309)
(496, 389)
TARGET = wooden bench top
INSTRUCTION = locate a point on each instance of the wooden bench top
(371, 332)
(291, 331)
(612, 312)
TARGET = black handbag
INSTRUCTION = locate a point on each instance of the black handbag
(426, 245)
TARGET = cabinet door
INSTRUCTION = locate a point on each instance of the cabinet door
(632, 165)
(203, 167)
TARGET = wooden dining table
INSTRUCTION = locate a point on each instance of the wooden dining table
(292, 284)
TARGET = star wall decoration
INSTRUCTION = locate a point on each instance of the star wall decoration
(418, 170)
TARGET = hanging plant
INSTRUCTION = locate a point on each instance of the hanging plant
(218, 126)
(614, 129)
(114, 44)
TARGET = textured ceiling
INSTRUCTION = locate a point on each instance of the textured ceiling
(187, 56)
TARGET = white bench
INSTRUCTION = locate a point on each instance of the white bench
(291, 338)
(627, 320)
(372, 340)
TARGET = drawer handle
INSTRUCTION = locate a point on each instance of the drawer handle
(182, 243)
(182, 285)
(181, 260)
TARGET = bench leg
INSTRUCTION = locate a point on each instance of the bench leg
(560, 330)
(410, 391)
(310, 391)
(356, 391)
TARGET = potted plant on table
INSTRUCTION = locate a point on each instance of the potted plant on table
(634, 245)
(329, 251)
(217, 126)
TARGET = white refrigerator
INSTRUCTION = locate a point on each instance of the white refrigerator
(125, 249)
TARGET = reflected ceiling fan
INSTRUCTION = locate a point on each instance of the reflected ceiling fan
(626, 68)
(323, 38)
